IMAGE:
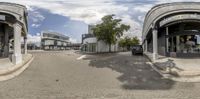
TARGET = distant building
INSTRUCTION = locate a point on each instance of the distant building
(54, 41)
(33, 46)
(74, 46)
(90, 43)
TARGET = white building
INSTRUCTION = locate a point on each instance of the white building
(54, 41)
(90, 43)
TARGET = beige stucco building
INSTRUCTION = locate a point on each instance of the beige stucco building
(13, 28)
(172, 30)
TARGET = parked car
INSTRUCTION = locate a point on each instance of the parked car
(137, 49)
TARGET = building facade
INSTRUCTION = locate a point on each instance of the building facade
(172, 30)
(13, 27)
(90, 43)
(54, 41)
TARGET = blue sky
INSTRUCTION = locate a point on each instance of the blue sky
(71, 17)
(42, 20)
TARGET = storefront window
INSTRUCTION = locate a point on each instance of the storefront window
(198, 39)
(186, 44)
(92, 47)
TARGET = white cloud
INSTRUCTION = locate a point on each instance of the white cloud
(34, 39)
(66, 25)
(36, 16)
(35, 25)
(143, 8)
(135, 29)
(72, 40)
(141, 18)
(168, 1)
(89, 11)
(38, 34)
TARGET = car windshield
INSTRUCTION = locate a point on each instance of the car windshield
(137, 46)
(99, 49)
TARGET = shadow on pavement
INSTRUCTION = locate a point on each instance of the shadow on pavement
(136, 73)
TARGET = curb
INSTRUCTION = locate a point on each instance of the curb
(164, 75)
(15, 71)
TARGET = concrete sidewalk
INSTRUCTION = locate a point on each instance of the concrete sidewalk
(179, 69)
(183, 67)
(8, 70)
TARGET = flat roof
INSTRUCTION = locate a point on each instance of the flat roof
(13, 4)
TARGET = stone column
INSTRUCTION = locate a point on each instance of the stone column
(146, 46)
(6, 47)
(177, 43)
(172, 44)
(17, 56)
(25, 45)
(155, 42)
(167, 39)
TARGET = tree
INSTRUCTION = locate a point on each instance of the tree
(110, 30)
(135, 41)
(128, 42)
(122, 43)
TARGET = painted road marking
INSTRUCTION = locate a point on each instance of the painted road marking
(81, 57)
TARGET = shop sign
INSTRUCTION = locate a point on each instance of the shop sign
(179, 17)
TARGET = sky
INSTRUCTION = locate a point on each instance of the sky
(72, 17)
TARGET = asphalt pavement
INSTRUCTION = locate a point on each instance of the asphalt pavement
(72, 75)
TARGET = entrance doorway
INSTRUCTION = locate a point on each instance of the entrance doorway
(1, 40)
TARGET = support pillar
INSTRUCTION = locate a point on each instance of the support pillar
(155, 42)
(167, 39)
(172, 44)
(146, 46)
(25, 45)
(17, 56)
(177, 43)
